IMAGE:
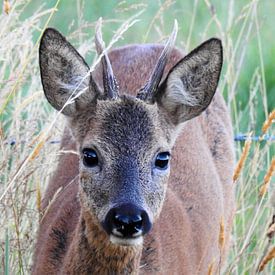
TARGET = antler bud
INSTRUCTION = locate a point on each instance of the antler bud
(148, 91)
(109, 81)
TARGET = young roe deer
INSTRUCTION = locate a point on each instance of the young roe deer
(153, 180)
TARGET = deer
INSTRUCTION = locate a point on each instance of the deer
(150, 188)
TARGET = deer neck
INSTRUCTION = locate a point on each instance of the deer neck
(93, 253)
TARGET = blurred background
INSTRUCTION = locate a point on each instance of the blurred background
(246, 28)
(30, 130)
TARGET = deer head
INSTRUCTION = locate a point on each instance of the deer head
(125, 142)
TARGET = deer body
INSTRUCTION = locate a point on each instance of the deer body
(186, 208)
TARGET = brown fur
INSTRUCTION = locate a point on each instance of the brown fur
(185, 237)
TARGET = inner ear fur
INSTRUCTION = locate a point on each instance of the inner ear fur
(191, 84)
(64, 73)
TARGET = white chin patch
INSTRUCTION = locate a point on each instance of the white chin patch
(127, 242)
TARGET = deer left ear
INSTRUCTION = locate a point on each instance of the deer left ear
(64, 74)
(191, 84)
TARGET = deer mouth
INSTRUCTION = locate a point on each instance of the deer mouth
(127, 234)
(126, 241)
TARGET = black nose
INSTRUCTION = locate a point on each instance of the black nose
(127, 221)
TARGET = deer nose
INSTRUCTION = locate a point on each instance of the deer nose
(127, 221)
(128, 226)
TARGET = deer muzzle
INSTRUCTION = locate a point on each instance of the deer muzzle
(128, 222)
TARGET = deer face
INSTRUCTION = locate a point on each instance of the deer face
(124, 142)
(124, 165)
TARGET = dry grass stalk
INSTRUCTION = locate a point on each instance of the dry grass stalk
(269, 256)
(221, 235)
(242, 159)
(38, 197)
(6, 6)
(50, 202)
(40, 138)
(268, 122)
(37, 149)
(35, 139)
(267, 178)
(1, 133)
(211, 268)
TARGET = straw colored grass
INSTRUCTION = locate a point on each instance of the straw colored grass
(267, 178)
(221, 235)
(270, 255)
(6, 6)
(242, 159)
(211, 268)
(268, 122)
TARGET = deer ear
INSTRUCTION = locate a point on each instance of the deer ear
(191, 84)
(64, 73)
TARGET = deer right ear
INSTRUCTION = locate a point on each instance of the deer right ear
(64, 74)
(191, 84)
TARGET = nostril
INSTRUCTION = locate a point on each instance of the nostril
(128, 225)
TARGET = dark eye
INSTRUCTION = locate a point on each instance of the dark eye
(162, 160)
(90, 158)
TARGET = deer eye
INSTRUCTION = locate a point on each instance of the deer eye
(90, 157)
(162, 160)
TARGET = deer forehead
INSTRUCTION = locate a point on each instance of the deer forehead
(126, 126)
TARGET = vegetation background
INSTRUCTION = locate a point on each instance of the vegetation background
(30, 129)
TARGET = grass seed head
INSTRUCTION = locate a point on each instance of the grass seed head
(268, 122)
(6, 6)
(221, 235)
(242, 159)
(269, 256)
(267, 178)
(211, 268)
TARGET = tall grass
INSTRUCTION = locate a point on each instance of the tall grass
(29, 128)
